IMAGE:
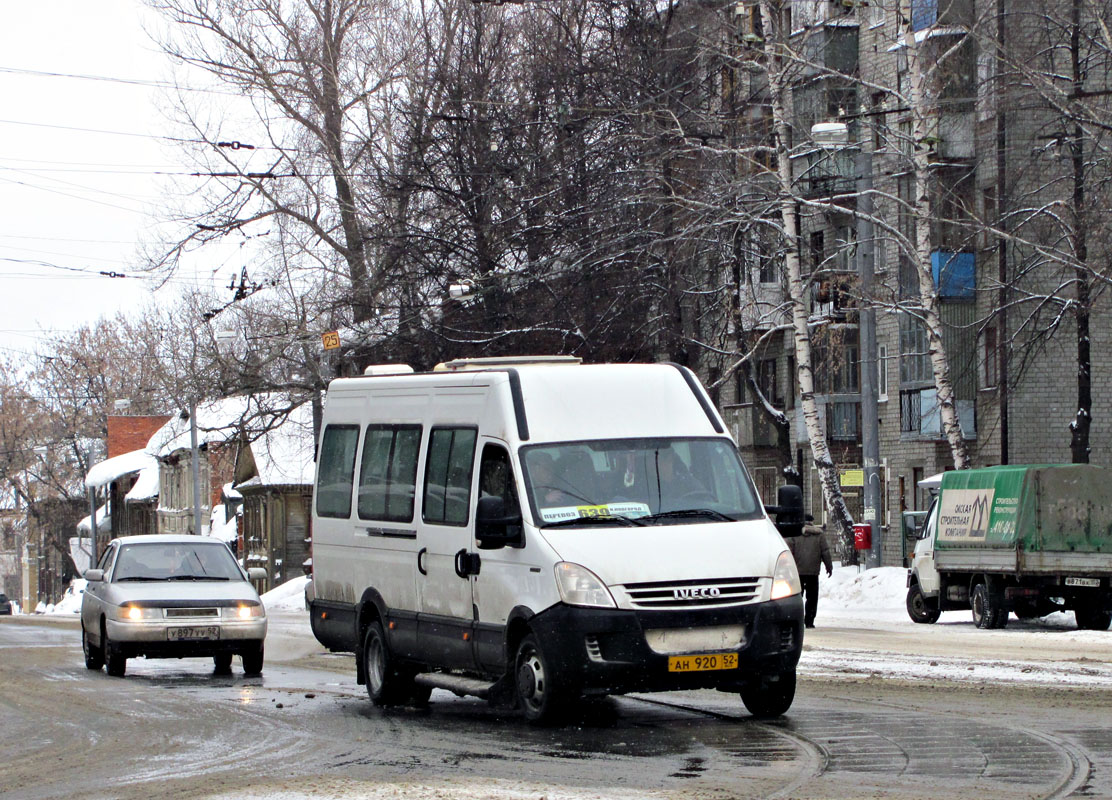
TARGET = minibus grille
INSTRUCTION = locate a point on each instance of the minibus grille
(714, 593)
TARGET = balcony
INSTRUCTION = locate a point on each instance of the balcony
(753, 427)
(954, 274)
(826, 173)
(839, 415)
(926, 13)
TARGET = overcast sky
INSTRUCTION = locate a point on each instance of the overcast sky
(79, 164)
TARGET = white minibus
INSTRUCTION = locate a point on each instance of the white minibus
(534, 530)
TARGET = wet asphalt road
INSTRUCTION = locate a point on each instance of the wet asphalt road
(304, 729)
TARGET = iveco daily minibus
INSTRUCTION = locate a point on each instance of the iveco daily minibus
(534, 530)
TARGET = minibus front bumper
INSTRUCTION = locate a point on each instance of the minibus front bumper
(606, 650)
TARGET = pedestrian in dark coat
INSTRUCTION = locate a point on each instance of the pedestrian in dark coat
(810, 550)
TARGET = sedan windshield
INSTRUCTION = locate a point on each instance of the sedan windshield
(169, 561)
(638, 481)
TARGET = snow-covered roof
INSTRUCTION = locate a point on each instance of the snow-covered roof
(284, 454)
(218, 421)
(104, 522)
(146, 486)
(116, 467)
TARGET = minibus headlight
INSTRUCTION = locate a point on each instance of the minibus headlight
(581, 587)
(785, 578)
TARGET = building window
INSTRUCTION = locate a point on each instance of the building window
(882, 372)
(767, 481)
(844, 420)
(817, 249)
(836, 357)
(915, 358)
(767, 383)
(910, 411)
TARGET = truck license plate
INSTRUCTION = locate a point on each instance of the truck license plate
(193, 632)
(1088, 583)
(702, 663)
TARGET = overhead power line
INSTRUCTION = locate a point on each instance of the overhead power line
(124, 81)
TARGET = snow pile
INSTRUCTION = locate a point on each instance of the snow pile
(847, 588)
(226, 530)
(289, 596)
(70, 603)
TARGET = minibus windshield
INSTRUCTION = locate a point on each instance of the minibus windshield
(638, 481)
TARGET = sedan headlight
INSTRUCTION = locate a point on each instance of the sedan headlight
(581, 587)
(132, 613)
(785, 578)
(244, 611)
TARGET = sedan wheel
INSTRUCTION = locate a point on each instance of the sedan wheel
(222, 663)
(114, 660)
(94, 656)
(253, 661)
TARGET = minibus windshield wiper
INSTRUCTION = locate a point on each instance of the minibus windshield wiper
(612, 519)
(690, 513)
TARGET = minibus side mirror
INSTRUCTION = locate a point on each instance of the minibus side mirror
(495, 527)
(788, 510)
(94, 574)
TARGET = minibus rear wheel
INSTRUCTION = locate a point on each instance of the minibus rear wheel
(386, 684)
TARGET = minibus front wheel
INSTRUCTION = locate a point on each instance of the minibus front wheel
(770, 695)
(538, 689)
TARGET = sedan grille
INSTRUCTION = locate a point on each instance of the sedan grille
(712, 593)
(192, 612)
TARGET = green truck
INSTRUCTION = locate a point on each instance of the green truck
(1024, 540)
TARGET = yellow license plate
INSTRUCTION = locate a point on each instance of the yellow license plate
(702, 663)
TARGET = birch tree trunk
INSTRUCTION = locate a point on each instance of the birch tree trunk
(924, 108)
(774, 58)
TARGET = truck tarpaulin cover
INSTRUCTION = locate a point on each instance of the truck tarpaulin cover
(1040, 508)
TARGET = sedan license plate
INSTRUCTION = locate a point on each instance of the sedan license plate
(1088, 583)
(192, 633)
(702, 663)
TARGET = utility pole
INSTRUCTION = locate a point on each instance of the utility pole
(196, 467)
(870, 430)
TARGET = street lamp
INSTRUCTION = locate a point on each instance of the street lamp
(833, 136)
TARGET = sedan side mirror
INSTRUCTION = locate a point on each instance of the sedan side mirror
(94, 574)
(494, 527)
(788, 510)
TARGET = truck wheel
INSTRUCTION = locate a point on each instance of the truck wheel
(987, 610)
(770, 696)
(920, 608)
(537, 686)
(1092, 619)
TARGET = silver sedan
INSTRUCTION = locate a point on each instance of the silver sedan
(171, 597)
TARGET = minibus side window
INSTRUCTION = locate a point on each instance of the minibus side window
(336, 470)
(448, 476)
(496, 478)
(388, 473)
